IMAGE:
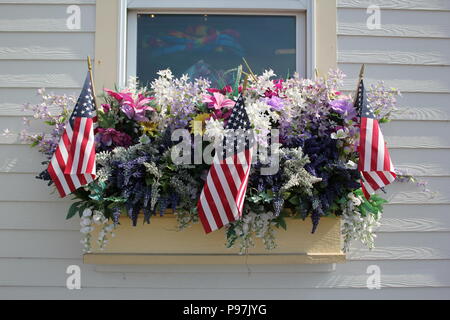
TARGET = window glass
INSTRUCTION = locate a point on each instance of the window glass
(211, 45)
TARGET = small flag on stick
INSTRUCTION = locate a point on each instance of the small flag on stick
(73, 163)
(375, 164)
(222, 199)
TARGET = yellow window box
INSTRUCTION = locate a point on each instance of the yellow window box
(160, 243)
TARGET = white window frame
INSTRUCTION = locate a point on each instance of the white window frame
(129, 9)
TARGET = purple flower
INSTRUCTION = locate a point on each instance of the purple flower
(111, 138)
(275, 102)
(106, 108)
(344, 107)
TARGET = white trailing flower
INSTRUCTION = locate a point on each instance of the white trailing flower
(255, 225)
(87, 213)
(355, 226)
(98, 218)
(86, 229)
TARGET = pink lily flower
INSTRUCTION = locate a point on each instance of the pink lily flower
(116, 95)
(134, 109)
(218, 101)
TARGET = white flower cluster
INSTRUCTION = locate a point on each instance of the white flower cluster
(214, 130)
(263, 83)
(260, 225)
(355, 226)
(88, 221)
(261, 116)
(177, 95)
(86, 229)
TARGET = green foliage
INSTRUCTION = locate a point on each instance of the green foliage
(373, 206)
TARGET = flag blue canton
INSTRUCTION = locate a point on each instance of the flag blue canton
(362, 104)
(238, 131)
(85, 107)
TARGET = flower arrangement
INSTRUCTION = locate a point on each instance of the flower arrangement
(318, 136)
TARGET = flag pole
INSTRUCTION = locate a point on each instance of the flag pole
(250, 69)
(361, 77)
(92, 81)
(244, 89)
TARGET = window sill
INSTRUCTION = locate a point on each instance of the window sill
(160, 244)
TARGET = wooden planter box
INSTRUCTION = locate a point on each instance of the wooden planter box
(160, 243)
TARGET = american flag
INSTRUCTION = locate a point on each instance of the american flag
(222, 199)
(375, 164)
(73, 164)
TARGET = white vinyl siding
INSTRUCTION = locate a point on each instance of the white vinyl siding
(411, 52)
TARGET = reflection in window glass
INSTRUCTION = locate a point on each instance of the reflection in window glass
(210, 45)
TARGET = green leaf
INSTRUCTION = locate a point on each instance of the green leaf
(295, 201)
(73, 210)
(282, 224)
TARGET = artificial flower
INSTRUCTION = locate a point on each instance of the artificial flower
(344, 107)
(215, 130)
(133, 106)
(197, 125)
(135, 109)
(275, 102)
(110, 138)
(218, 101)
(106, 108)
(224, 91)
(149, 128)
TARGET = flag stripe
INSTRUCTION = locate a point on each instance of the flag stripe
(73, 163)
(229, 212)
(375, 164)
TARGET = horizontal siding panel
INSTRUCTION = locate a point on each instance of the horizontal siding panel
(40, 244)
(24, 187)
(417, 134)
(20, 159)
(409, 24)
(399, 134)
(15, 125)
(58, 293)
(443, 5)
(12, 100)
(422, 163)
(416, 218)
(43, 18)
(423, 79)
(66, 244)
(32, 74)
(46, 46)
(51, 216)
(346, 276)
(23, 159)
(36, 216)
(405, 246)
(385, 50)
(407, 193)
(418, 106)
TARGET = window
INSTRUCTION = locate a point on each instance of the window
(211, 40)
(208, 46)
